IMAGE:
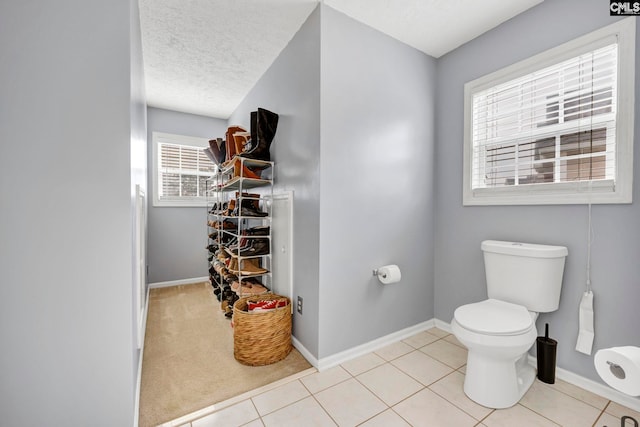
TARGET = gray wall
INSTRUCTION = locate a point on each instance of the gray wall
(65, 181)
(354, 141)
(177, 235)
(376, 199)
(459, 273)
(291, 88)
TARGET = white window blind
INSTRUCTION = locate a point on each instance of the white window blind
(181, 170)
(555, 128)
(554, 125)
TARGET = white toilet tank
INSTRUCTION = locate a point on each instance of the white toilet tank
(524, 273)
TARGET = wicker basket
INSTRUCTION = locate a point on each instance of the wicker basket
(261, 338)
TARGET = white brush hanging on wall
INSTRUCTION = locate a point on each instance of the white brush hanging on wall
(587, 332)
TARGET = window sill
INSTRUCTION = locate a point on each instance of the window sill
(179, 203)
(596, 192)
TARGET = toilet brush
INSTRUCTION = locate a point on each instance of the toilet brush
(546, 355)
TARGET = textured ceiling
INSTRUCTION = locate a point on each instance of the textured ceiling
(203, 56)
(433, 26)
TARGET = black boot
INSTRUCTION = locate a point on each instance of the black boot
(263, 128)
(218, 148)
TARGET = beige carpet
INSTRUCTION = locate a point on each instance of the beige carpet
(188, 359)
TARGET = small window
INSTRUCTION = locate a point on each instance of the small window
(556, 128)
(181, 170)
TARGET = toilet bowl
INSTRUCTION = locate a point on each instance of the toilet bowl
(498, 336)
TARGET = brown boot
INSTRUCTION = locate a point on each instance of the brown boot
(230, 207)
(241, 139)
(233, 265)
(230, 144)
(241, 171)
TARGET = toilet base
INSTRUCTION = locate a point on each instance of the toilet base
(497, 383)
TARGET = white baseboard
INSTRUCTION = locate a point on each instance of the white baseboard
(304, 352)
(178, 282)
(443, 325)
(360, 350)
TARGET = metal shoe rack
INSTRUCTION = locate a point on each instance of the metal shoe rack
(236, 268)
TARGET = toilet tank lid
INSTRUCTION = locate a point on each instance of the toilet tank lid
(524, 249)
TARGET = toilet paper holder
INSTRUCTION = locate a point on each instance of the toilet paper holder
(375, 273)
(616, 370)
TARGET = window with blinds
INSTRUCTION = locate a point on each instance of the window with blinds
(552, 126)
(182, 169)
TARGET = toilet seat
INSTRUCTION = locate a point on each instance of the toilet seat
(494, 317)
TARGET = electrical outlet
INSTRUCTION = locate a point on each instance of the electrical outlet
(299, 305)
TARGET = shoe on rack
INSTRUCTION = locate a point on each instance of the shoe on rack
(250, 290)
(247, 211)
(253, 281)
(233, 265)
(230, 145)
(258, 247)
(217, 266)
(264, 305)
(263, 129)
(230, 207)
(242, 242)
(227, 225)
(252, 266)
(221, 224)
(210, 155)
(241, 171)
(261, 230)
(235, 285)
(217, 208)
(217, 147)
(241, 139)
(251, 200)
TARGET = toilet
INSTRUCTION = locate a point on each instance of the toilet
(523, 279)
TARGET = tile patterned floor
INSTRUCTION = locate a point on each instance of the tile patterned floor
(413, 382)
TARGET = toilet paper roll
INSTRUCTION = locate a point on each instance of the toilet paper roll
(389, 274)
(620, 368)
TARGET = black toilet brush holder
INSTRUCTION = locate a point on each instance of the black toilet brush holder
(546, 348)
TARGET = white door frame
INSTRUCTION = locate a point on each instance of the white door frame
(287, 196)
